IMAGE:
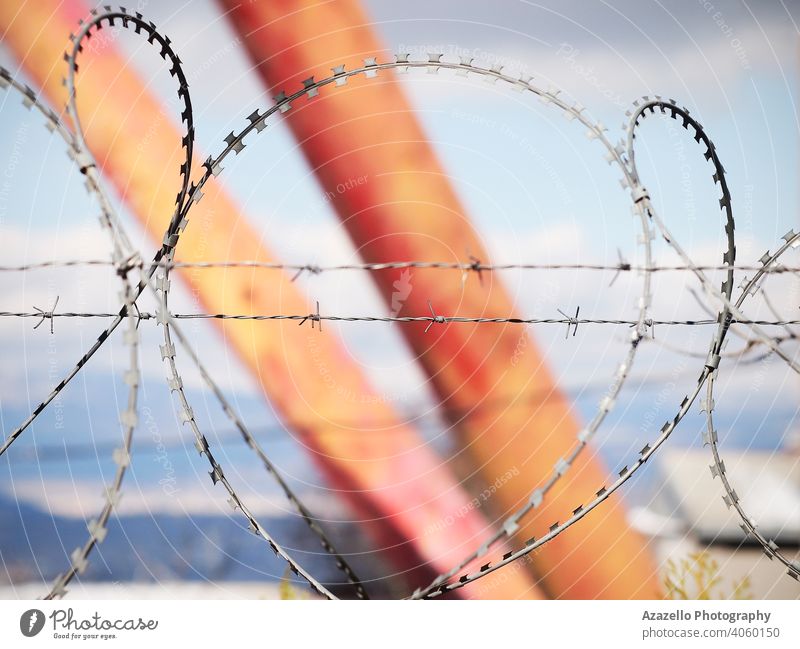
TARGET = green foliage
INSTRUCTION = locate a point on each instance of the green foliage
(286, 590)
(698, 577)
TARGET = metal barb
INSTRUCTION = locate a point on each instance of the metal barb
(46, 315)
(314, 317)
(314, 270)
(622, 266)
(571, 322)
(435, 319)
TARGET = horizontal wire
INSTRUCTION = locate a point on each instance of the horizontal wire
(432, 319)
(315, 269)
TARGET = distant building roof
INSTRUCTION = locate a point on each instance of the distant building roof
(768, 485)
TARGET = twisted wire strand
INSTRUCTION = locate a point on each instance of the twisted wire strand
(435, 319)
(313, 269)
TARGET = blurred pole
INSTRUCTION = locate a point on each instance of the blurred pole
(380, 465)
(407, 210)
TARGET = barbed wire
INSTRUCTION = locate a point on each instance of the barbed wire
(314, 269)
(125, 260)
(431, 319)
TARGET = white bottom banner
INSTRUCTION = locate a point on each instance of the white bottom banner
(385, 624)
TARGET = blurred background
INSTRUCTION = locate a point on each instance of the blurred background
(536, 191)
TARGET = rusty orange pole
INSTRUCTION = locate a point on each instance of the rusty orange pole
(407, 210)
(381, 465)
